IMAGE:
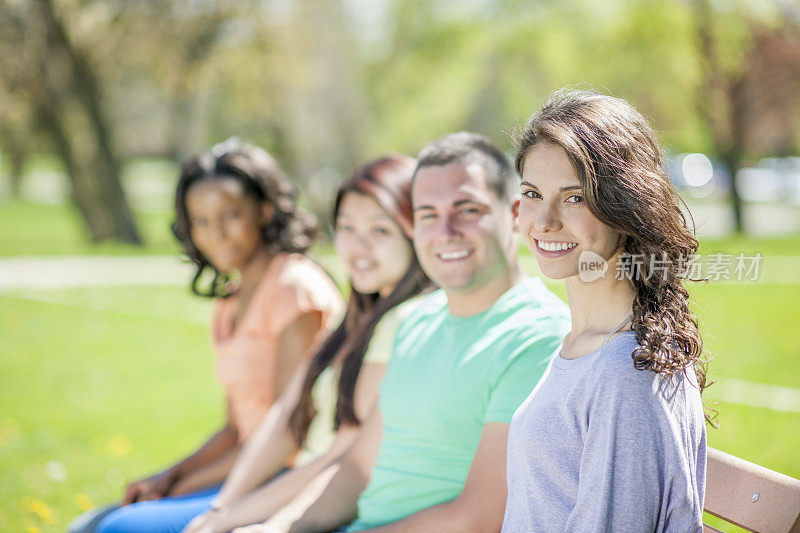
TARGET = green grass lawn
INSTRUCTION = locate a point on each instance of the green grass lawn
(96, 387)
(39, 229)
(100, 386)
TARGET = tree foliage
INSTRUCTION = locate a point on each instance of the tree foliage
(325, 84)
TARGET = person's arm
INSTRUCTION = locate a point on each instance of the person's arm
(267, 500)
(329, 500)
(482, 501)
(263, 455)
(294, 347)
(211, 473)
(164, 483)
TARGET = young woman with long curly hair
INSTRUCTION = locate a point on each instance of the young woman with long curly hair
(613, 438)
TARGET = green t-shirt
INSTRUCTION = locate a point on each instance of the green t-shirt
(448, 376)
(325, 392)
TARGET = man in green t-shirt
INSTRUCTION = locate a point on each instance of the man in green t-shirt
(431, 457)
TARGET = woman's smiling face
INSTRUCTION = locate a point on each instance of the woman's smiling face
(554, 219)
(225, 222)
(371, 245)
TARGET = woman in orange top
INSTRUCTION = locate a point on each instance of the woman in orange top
(236, 218)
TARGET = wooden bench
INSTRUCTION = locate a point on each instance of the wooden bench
(751, 496)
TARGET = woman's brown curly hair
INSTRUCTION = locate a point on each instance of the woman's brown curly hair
(619, 162)
(290, 230)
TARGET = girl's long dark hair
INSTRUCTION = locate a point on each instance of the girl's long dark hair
(619, 162)
(290, 230)
(387, 181)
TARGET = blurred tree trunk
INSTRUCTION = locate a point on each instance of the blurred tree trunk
(749, 104)
(720, 104)
(15, 123)
(15, 149)
(69, 96)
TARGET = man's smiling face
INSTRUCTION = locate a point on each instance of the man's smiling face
(462, 230)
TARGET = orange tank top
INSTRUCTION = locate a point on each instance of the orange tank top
(246, 358)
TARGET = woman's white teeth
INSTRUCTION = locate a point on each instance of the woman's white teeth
(363, 264)
(557, 246)
(449, 256)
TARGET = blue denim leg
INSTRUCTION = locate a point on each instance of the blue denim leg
(168, 515)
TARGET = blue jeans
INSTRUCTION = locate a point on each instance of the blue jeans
(167, 515)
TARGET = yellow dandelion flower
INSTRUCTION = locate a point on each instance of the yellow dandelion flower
(9, 431)
(84, 502)
(40, 509)
(119, 445)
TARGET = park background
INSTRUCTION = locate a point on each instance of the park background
(105, 363)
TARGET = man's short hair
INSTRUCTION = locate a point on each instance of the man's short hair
(472, 148)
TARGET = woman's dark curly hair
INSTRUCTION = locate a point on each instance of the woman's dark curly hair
(290, 230)
(619, 162)
(387, 181)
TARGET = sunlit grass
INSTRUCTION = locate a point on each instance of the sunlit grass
(41, 230)
(92, 397)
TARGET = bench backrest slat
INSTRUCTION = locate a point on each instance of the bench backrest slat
(751, 496)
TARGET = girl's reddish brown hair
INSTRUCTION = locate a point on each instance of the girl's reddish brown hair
(387, 181)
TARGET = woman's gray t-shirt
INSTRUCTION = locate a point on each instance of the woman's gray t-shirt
(601, 446)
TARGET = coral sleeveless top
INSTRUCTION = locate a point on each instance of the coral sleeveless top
(247, 357)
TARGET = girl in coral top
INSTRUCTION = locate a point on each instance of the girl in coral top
(237, 220)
